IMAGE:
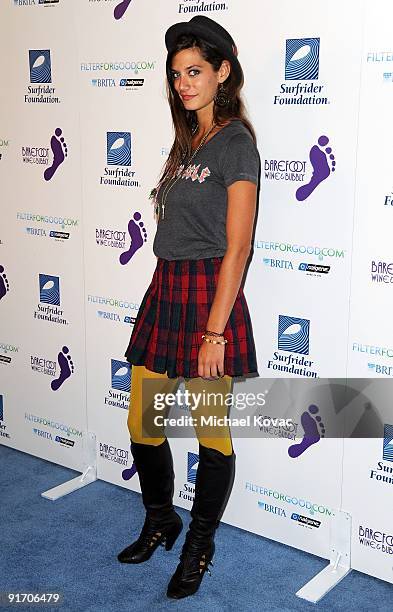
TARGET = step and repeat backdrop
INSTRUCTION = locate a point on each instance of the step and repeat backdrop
(84, 131)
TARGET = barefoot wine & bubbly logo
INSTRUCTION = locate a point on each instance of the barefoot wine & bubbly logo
(322, 162)
(121, 457)
(52, 157)
(4, 283)
(60, 370)
(121, 8)
(129, 241)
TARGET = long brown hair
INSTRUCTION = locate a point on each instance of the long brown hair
(184, 121)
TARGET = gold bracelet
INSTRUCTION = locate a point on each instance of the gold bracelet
(214, 341)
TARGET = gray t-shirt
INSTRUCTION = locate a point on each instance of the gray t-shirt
(194, 226)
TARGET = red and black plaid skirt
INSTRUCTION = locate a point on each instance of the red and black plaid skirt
(173, 316)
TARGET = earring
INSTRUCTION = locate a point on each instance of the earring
(221, 97)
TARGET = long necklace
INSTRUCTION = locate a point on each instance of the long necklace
(174, 180)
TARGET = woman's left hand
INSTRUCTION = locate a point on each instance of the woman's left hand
(211, 360)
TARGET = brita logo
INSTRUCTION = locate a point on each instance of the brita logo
(301, 64)
(40, 66)
(35, 2)
(127, 84)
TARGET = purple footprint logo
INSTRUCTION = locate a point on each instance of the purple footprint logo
(4, 284)
(135, 229)
(121, 8)
(59, 150)
(128, 473)
(311, 426)
(321, 167)
(66, 368)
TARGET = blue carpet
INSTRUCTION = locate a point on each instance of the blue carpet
(71, 545)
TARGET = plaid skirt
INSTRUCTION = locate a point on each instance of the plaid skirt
(173, 315)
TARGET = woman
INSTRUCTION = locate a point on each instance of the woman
(193, 322)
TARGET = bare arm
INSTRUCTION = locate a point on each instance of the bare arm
(239, 226)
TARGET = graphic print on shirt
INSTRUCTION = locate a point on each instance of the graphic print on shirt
(192, 172)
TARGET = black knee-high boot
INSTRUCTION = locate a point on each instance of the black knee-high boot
(162, 524)
(213, 486)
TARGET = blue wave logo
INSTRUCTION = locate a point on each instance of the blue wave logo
(388, 443)
(192, 466)
(302, 59)
(118, 148)
(49, 289)
(121, 375)
(293, 334)
(40, 66)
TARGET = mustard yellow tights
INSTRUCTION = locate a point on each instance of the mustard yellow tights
(142, 407)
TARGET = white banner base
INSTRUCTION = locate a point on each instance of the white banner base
(340, 561)
(88, 476)
(70, 486)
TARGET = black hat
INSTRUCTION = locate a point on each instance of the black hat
(208, 30)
